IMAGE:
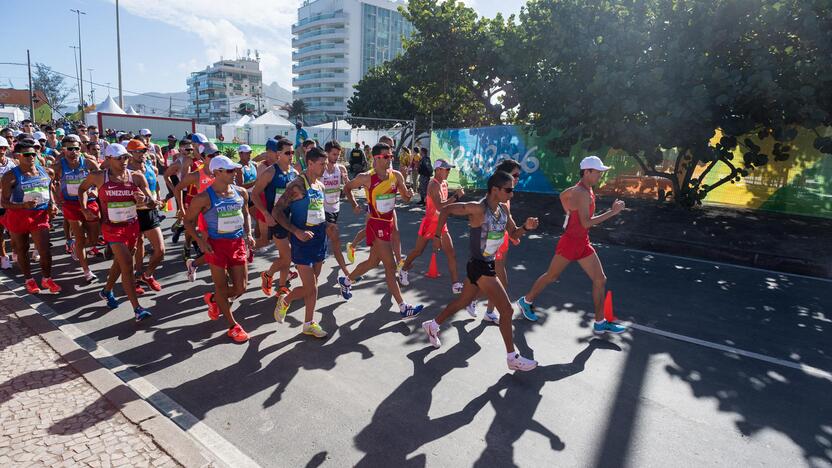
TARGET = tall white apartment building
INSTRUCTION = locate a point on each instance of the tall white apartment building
(335, 43)
(217, 92)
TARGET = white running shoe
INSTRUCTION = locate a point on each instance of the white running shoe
(35, 256)
(403, 279)
(456, 288)
(5, 263)
(472, 309)
(190, 264)
(432, 329)
(518, 362)
(491, 316)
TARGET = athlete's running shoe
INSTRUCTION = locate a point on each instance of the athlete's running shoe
(350, 252)
(404, 280)
(471, 308)
(5, 263)
(266, 283)
(292, 275)
(408, 311)
(527, 309)
(70, 246)
(313, 329)
(89, 277)
(345, 288)
(51, 285)
(151, 282)
(94, 252)
(238, 334)
(213, 307)
(456, 288)
(142, 314)
(32, 286)
(491, 316)
(190, 265)
(400, 264)
(109, 297)
(139, 290)
(518, 362)
(281, 307)
(608, 327)
(432, 329)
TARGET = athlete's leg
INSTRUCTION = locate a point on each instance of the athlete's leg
(495, 293)
(367, 265)
(592, 267)
(556, 267)
(20, 245)
(448, 248)
(396, 240)
(124, 257)
(78, 233)
(332, 234)
(418, 249)
(157, 242)
(470, 291)
(385, 254)
(41, 240)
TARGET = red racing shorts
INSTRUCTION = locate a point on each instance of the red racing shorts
(428, 227)
(72, 210)
(23, 221)
(574, 248)
(257, 213)
(124, 233)
(227, 253)
(378, 229)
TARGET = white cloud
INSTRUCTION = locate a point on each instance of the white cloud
(228, 28)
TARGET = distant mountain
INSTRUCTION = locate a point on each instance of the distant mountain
(157, 103)
(277, 95)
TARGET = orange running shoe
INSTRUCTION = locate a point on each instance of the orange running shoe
(238, 334)
(151, 282)
(266, 283)
(51, 285)
(32, 286)
(213, 307)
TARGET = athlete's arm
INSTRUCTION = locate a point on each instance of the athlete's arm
(515, 232)
(199, 204)
(454, 209)
(92, 180)
(260, 185)
(583, 200)
(435, 194)
(402, 187)
(144, 197)
(246, 219)
(259, 157)
(361, 180)
(94, 166)
(184, 183)
(170, 171)
(345, 175)
(294, 191)
(7, 183)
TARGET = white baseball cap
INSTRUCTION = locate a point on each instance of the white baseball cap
(222, 162)
(594, 162)
(199, 138)
(244, 149)
(39, 136)
(442, 164)
(115, 150)
(145, 132)
(4, 142)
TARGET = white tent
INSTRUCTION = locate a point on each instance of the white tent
(131, 111)
(324, 132)
(107, 106)
(237, 129)
(269, 125)
(14, 114)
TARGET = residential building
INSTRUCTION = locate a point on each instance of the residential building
(217, 92)
(335, 43)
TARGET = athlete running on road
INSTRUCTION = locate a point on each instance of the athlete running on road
(489, 220)
(149, 217)
(579, 204)
(334, 179)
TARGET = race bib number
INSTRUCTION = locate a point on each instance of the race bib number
(566, 221)
(386, 202)
(315, 212)
(72, 187)
(332, 195)
(229, 221)
(39, 195)
(121, 212)
(493, 242)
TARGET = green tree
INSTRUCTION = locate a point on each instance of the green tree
(296, 109)
(52, 85)
(649, 75)
(246, 108)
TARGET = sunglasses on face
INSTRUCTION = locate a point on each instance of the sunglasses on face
(227, 171)
(139, 151)
(28, 155)
(50, 133)
(507, 189)
(287, 153)
(73, 148)
(93, 133)
(516, 176)
(188, 150)
(121, 158)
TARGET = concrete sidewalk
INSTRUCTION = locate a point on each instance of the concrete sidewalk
(60, 407)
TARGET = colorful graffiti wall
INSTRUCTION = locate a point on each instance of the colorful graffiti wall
(800, 185)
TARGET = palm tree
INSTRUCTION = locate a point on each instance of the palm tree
(296, 109)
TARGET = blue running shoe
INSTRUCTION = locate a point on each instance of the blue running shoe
(345, 289)
(527, 309)
(408, 311)
(608, 327)
(108, 296)
(142, 314)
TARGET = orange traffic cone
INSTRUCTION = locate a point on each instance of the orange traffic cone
(608, 313)
(169, 206)
(433, 270)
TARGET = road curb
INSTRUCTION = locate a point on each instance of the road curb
(165, 433)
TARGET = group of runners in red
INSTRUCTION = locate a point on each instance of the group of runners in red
(296, 202)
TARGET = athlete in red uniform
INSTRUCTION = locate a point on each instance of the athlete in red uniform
(574, 246)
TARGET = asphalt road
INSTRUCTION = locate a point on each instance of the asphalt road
(375, 393)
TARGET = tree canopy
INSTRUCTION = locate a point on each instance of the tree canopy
(52, 85)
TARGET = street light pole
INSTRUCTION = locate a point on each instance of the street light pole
(78, 13)
(77, 73)
(92, 88)
(118, 50)
(31, 91)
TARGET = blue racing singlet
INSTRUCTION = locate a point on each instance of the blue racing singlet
(308, 214)
(150, 175)
(34, 188)
(249, 172)
(278, 185)
(71, 178)
(225, 216)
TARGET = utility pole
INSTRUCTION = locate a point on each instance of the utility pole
(118, 49)
(31, 91)
(92, 88)
(77, 74)
(78, 13)
(170, 106)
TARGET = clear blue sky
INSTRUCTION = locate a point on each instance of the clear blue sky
(162, 41)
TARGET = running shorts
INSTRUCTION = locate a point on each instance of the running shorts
(72, 210)
(331, 217)
(149, 219)
(574, 249)
(23, 221)
(126, 233)
(477, 268)
(378, 229)
(310, 252)
(227, 253)
(428, 227)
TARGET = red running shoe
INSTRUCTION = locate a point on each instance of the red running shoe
(32, 286)
(238, 334)
(213, 307)
(51, 285)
